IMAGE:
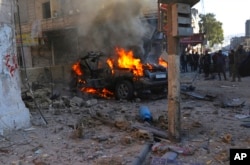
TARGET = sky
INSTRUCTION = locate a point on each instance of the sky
(232, 13)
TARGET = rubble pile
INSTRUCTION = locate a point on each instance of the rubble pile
(84, 129)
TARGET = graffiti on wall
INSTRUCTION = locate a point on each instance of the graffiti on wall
(11, 63)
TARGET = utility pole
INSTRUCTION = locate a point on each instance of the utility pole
(178, 25)
(174, 122)
(13, 113)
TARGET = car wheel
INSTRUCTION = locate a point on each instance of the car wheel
(124, 90)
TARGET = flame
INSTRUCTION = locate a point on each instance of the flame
(126, 60)
(150, 67)
(77, 68)
(102, 93)
(111, 65)
(162, 62)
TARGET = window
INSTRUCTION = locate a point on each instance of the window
(46, 10)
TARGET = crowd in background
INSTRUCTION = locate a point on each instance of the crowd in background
(215, 65)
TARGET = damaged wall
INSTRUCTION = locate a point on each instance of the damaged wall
(13, 113)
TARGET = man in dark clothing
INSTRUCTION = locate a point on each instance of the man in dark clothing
(231, 62)
(206, 64)
(239, 56)
(221, 64)
(184, 62)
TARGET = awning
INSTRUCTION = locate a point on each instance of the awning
(194, 39)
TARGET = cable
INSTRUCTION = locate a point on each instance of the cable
(21, 40)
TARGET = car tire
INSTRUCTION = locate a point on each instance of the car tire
(124, 90)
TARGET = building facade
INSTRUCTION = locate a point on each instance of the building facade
(47, 37)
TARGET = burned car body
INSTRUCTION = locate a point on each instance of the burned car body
(95, 70)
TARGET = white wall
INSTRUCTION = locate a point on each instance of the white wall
(13, 113)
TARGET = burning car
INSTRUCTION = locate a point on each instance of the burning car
(122, 75)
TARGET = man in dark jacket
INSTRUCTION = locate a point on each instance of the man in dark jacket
(239, 56)
(221, 65)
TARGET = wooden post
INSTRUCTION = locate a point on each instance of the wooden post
(174, 123)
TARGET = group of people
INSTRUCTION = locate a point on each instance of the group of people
(215, 64)
(189, 59)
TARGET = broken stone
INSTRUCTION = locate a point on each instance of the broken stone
(76, 101)
(55, 95)
(91, 102)
(233, 102)
(66, 101)
(41, 93)
(170, 156)
(158, 161)
(126, 140)
(143, 134)
(58, 104)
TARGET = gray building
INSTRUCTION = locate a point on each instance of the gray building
(248, 28)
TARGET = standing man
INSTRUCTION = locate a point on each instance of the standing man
(206, 63)
(239, 56)
(221, 65)
(231, 62)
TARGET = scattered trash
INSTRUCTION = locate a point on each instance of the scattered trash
(182, 150)
(186, 88)
(160, 148)
(38, 151)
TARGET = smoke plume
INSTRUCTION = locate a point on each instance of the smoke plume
(112, 23)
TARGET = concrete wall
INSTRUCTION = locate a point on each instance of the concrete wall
(60, 74)
(13, 113)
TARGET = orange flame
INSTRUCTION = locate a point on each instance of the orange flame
(126, 60)
(162, 62)
(77, 68)
(102, 93)
(111, 65)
